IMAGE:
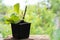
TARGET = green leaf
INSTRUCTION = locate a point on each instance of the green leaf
(16, 8)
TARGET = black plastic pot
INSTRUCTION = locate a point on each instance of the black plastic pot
(20, 30)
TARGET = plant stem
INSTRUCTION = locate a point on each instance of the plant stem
(25, 13)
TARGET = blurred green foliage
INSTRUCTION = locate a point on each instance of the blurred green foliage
(57, 35)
